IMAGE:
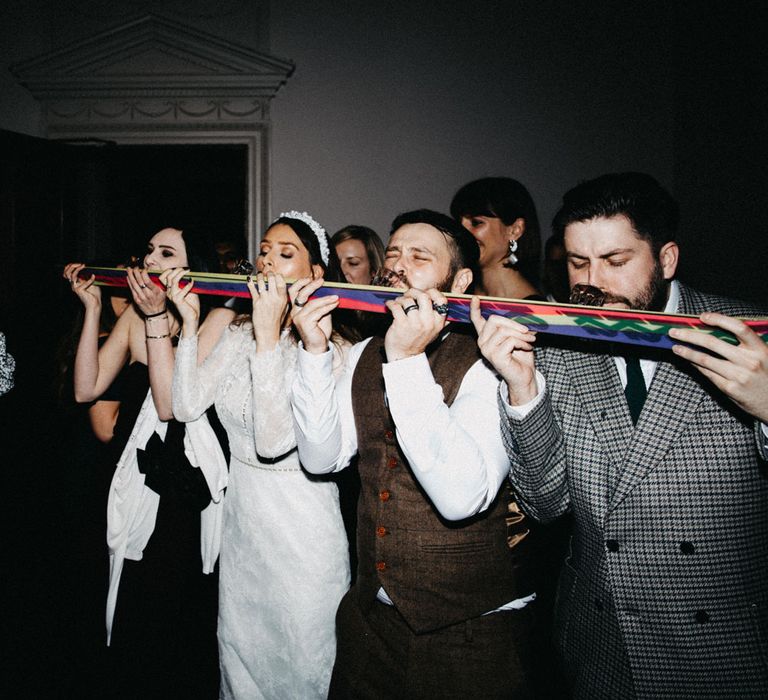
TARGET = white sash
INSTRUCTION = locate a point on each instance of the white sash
(132, 506)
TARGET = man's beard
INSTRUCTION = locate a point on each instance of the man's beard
(653, 297)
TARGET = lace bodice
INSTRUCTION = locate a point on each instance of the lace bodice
(250, 390)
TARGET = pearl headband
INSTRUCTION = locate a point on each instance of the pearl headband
(317, 229)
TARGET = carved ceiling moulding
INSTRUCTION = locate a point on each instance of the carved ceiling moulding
(153, 71)
(188, 112)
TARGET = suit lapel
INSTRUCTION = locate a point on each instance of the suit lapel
(673, 398)
(671, 404)
(598, 386)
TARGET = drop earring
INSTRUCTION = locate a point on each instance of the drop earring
(512, 258)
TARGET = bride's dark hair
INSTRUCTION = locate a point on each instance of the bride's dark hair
(331, 269)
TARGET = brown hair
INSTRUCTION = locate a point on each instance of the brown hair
(374, 248)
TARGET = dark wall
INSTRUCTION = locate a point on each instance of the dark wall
(32, 317)
(721, 148)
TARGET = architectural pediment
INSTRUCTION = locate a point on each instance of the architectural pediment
(152, 57)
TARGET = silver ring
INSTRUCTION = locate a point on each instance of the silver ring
(299, 303)
(143, 286)
(442, 309)
(408, 309)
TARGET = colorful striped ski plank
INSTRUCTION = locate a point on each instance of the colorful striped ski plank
(620, 326)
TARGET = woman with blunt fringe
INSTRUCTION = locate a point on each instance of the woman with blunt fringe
(284, 559)
(500, 214)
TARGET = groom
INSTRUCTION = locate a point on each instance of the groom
(445, 595)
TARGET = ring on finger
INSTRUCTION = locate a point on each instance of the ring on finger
(442, 309)
(143, 286)
(299, 303)
(408, 309)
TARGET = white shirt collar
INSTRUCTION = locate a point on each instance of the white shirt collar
(673, 302)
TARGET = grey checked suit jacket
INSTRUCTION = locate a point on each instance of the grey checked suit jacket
(665, 589)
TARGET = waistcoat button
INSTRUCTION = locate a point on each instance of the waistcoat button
(612, 545)
(391, 462)
(380, 565)
(381, 531)
(384, 496)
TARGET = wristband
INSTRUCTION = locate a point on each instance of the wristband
(159, 313)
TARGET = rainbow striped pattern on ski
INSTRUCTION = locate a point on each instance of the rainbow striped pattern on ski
(619, 326)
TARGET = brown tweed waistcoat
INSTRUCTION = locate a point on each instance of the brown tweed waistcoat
(437, 572)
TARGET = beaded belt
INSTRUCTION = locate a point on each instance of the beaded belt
(268, 463)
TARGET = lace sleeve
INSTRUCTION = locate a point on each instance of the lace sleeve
(194, 388)
(7, 366)
(272, 375)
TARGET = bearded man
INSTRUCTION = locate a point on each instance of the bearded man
(662, 459)
(443, 602)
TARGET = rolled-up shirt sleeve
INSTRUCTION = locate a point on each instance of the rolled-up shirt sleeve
(456, 453)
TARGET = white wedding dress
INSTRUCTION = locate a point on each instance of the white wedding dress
(284, 562)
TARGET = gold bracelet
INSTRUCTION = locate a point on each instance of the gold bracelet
(157, 337)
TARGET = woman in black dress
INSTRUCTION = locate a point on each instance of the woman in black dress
(163, 641)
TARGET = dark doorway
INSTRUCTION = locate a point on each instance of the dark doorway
(122, 194)
(62, 202)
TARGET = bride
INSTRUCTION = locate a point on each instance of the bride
(284, 561)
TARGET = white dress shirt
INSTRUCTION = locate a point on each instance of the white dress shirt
(455, 452)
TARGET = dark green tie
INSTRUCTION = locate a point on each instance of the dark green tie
(635, 390)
